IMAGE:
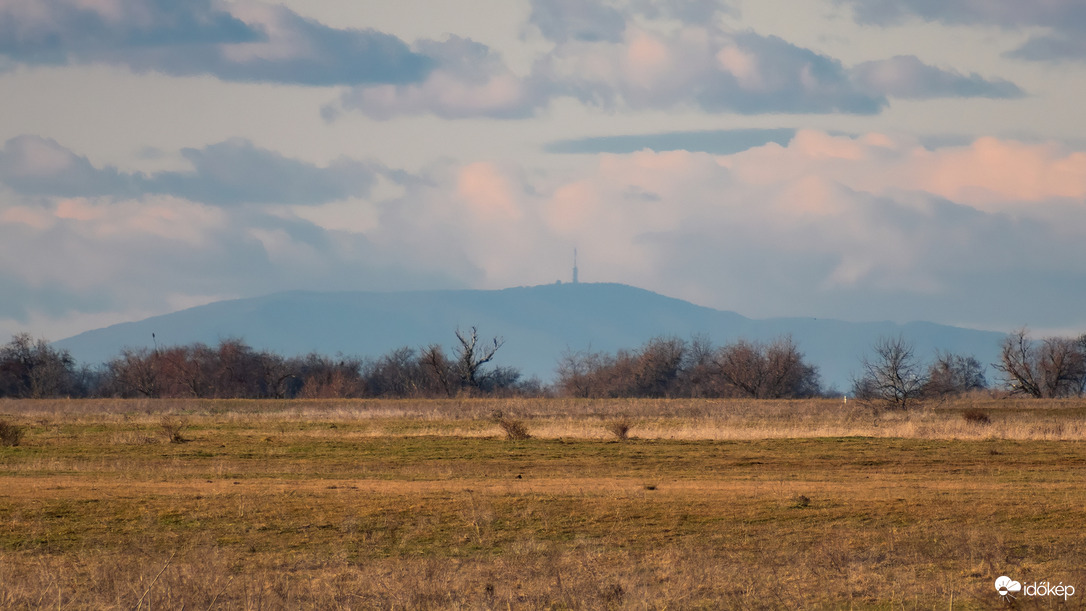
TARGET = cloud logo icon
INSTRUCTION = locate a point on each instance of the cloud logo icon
(1005, 585)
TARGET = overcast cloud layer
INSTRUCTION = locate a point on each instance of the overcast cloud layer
(156, 155)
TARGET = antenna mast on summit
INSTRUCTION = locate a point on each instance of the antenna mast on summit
(574, 266)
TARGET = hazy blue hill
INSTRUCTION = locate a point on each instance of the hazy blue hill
(538, 323)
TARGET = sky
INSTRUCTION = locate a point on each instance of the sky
(861, 160)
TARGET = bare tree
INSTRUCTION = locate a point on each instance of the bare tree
(137, 371)
(276, 372)
(788, 375)
(32, 368)
(1054, 367)
(699, 370)
(325, 378)
(656, 367)
(954, 374)
(767, 371)
(1081, 345)
(576, 369)
(471, 357)
(742, 365)
(439, 368)
(397, 374)
(893, 374)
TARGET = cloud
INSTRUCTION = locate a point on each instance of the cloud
(859, 228)
(236, 171)
(34, 165)
(1052, 47)
(1004, 13)
(864, 227)
(109, 258)
(469, 80)
(600, 21)
(717, 142)
(988, 174)
(1065, 21)
(685, 11)
(230, 172)
(647, 55)
(905, 76)
(242, 41)
(583, 20)
(706, 68)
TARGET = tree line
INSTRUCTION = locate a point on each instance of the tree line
(32, 368)
(1053, 367)
(670, 367)
(892, 372)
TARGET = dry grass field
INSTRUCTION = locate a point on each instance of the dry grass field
(427, 505)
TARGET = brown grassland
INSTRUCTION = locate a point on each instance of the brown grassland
(708, 504)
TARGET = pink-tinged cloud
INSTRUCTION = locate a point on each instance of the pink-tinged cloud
(32, 217)
(29, 156)
(989, 174)
(487, 194)
(869, 227)
(992, 172)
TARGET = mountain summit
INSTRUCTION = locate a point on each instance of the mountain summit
(538, 323)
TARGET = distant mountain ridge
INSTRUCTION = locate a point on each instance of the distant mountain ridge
(538, 324)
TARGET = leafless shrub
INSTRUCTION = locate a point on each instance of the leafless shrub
(10, 434)
(173, 427)
(620, 429)
(514, 429)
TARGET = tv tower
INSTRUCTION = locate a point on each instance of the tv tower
(574, 266)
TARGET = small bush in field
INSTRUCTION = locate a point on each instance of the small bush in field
(173, 427)
(514, 429)
(976, 416)
(800, 501)
(620, 429)
(10, 434)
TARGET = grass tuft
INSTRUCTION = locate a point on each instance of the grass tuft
(976, 416)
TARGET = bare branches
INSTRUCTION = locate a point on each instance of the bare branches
(669, 367)
(892, 374)
(953, 374)
(472, 357)
(33, 369)
(1055, 367)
